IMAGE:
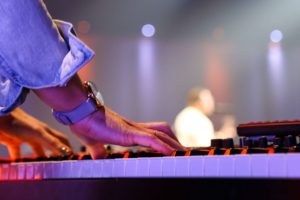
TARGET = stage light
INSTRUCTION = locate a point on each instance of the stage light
(148, 30)
(276, 36)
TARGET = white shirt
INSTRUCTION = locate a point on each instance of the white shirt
(193, 128)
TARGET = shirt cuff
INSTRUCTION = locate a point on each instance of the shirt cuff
(13, 92)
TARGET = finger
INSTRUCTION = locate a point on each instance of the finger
(97, 151)
(152, 141)
(170, 141)
(44, 138)
(160, 126)
(162, 135)
(53, 144)
(13, 145)
(14, 150)
(37, 149)
(58, 135)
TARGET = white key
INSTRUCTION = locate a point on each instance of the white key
(182, 166)
(226, 166)
(155, 167)
(56, 169)
(242, 166)
(21, 171)
(46, 169)
(259, 165)
(4, 171)
(168, 166)
(13, 171)
(0, 171)
(196, 168)
(211, 166)
(293, 165)
(119, 168)
(142, 167)
(38, 173)
(277, 166)
(66, 169)
(107, 168)
(29, 171)
(86, 168)
(130, 167)
(97, 168)
(52, 169)
(76, 169)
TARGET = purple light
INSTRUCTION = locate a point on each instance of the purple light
(276, 36)
(148, 30)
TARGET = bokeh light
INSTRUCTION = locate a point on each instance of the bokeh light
(276, 36)
(83, 27)
(148, 30)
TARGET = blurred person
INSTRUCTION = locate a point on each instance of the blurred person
(192, 125)
(43, 55)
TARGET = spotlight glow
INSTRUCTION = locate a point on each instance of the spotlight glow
(148, 30)
(276, 36)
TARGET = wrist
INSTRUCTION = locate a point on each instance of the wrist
(92, 102)
(64, 98)
(84, 129)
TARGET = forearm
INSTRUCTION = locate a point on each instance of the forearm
(64, 98)
(105, 126)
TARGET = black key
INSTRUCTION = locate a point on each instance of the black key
(257, 150)
(199, 152)
(115, 155)
(228, 143)
(216, 143)
(149, 154)
(86, 157)
(180, 153)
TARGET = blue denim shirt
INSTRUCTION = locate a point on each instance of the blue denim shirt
(35, 51)
(16, 79)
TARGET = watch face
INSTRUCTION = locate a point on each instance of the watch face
(96, 93)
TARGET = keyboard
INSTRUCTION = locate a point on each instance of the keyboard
(259, 157)
(233, 166)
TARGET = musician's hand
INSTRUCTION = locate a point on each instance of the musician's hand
(18, 128)
(107, 127)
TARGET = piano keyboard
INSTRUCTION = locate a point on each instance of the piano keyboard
(264, 157)
(233, 166)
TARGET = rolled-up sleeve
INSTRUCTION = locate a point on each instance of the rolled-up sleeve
(16, 80)
(35, 51)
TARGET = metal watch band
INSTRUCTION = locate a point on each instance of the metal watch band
(80, 112)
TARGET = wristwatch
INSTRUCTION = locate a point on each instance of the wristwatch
(93, 102)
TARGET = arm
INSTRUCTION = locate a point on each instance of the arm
(105, 126)
(52, 57)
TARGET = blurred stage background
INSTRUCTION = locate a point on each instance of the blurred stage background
(226, 46)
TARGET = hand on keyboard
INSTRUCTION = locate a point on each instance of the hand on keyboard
(18, 128)
(107, 127)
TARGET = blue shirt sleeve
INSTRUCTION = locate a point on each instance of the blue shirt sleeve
(16, 80)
